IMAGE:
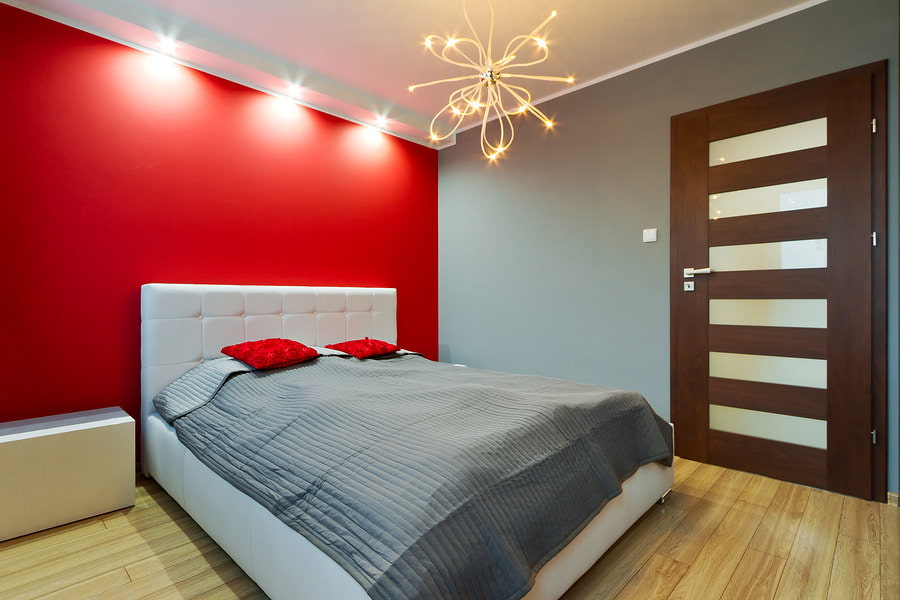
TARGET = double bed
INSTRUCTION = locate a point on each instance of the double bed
(184, 326)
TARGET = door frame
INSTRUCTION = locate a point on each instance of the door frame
(689, 241)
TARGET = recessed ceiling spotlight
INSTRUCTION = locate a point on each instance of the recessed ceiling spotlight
(293, 90)
(167, 45)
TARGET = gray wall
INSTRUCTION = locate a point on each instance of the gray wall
(542, 268)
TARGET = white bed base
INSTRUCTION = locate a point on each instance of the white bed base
(182, 325)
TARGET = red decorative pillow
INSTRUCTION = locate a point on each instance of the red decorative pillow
(272, 353)
(365, 348)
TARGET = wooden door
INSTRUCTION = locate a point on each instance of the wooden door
(778, 352)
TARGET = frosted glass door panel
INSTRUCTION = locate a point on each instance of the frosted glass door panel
(774, 198)
(770, 426)
(797, 254)
(799, 136)
(769, 313)
(805, 372)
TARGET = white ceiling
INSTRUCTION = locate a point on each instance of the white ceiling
(356, 58)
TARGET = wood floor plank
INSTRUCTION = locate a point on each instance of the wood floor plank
(710, 573)
(90, 587)
(145, 491)
(44, 578)
(756, 576)
(165, 559)
(728, 487)
(200, 583)
(759, 493)
(242, 587)
(690, 536)
(185, 571)
(686, 493)
(627, 556)
(775, 534)
(861, 519)
(148, 492)
(808, 566)
(890, 552)
(686, 541)
(855, 574)
(146, 486)
(655, 580)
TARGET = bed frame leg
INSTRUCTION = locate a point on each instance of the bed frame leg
(664, 497)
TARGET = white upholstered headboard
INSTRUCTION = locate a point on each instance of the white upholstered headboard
(184, 324)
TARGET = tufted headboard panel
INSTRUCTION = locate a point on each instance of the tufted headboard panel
(184, 324)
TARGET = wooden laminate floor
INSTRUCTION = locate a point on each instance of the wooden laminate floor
(722, 534)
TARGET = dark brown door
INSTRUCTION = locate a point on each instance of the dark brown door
(778, 283)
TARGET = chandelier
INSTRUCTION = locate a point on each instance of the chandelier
(492, 94)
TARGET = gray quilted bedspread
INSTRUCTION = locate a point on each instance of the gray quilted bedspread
(421, 479)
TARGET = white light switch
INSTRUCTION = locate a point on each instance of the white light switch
(650, 235)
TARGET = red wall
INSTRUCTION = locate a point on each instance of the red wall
(118, 168)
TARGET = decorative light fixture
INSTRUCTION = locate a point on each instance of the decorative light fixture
(491, 94)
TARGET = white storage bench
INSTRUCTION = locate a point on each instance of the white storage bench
(59, 469)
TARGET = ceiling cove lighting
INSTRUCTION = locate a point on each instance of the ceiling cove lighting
(491, 95)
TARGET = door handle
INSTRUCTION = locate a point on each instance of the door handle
(689, 272)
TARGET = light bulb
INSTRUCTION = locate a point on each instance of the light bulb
(167, 45)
